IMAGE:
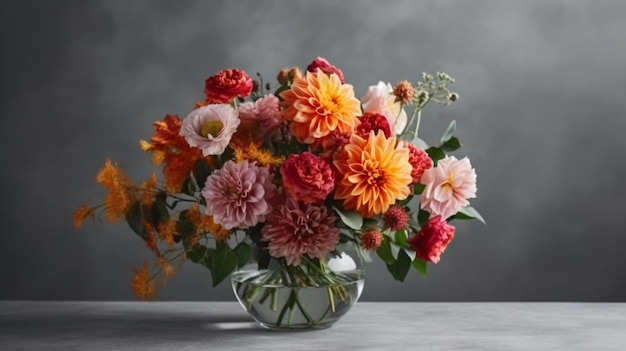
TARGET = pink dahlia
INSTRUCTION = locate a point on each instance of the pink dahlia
(307, 178)
(239, 194)
(419, 160)
(326, 67)
(432, 240)
(263, 111)
(294, 229)
(448, 186)
(380, 99)
(210, 128)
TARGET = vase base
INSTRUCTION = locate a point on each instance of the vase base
(294, 328)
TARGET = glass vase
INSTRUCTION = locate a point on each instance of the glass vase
(312, 295)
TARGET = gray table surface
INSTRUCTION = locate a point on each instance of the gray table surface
(33, 325)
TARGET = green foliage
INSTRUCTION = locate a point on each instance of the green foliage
(201, 254)
(449, 133)
(420, 266)
(401, 238)
(435, 154)
(468, 212)
(134, 218)
(223, 262)
(201, 172)
(184, 226)
(350, 218)
(384, 251)
(159, 213)
(400, 266)
(418, 188)
(451, 144)
(243, 251)
(422, 217)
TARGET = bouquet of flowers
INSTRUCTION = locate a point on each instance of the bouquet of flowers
(288, 172)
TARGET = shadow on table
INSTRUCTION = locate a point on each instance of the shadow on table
(145, 326)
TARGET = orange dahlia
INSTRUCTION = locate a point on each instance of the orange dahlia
(318, 104)
(373, 174)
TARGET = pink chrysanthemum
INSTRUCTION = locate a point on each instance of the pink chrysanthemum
(238, 194)
(265, 111)
(294, 229)
(210, 128)
(396, 218)
(448, 186)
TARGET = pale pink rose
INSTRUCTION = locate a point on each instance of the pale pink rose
(210, 128)
(307, 177)
(239, 195)
(432, 240)
(264, 110)
(380, 99)
(295, 229)
(448, 186)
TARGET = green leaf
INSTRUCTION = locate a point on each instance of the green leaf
(451, 145)
(189, 187)
(200, 254)
(449, 133)
(420, 143)
(384, 251)
(420, 266)
(184, 226)
(159, 212)
(418, 188)
(400, 267)
(134, 218)
(435, 154)
(201, 172)
(401, 238)
(223, 262)
(243, 252)
(422, 217)
(350, 218)
(469, 212)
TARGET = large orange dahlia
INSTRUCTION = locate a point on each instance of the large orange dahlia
(318, 104)
(373, 174)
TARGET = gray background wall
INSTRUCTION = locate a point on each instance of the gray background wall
(542, 115)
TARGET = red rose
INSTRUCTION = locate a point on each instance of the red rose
(430, 242)
(307, 178)
(326, 67)
(225, 86)
(372, 122)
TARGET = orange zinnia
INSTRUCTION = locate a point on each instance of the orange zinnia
(318, 104)
(374, 173)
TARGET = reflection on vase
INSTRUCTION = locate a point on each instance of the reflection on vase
(314, 294)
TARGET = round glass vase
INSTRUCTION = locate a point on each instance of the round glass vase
(312, 295)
